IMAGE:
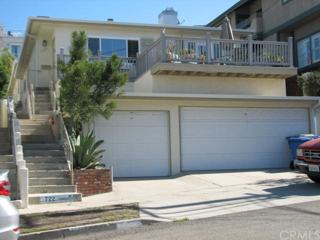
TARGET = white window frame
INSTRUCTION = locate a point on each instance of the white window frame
(313, 48)
(116, 38)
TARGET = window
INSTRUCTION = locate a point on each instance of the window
(315, 42)
(133, 48)
(15, 50)
(109, 46)
(309, 50)
(304, 53)
(94, 46)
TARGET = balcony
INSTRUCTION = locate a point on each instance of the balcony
(208, 56)
(206, 52)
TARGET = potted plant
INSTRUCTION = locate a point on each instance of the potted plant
(310, 83)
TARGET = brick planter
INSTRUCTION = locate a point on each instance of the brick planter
(93, 181)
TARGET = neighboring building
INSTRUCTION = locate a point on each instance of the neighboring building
(277, 20)
(12, 41)
(193, 102)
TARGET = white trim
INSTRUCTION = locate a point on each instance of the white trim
(100, 37)
(79, 21)
(216, 96)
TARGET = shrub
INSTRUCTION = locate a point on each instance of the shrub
(6, 61)
(86, 152)
(310, 83)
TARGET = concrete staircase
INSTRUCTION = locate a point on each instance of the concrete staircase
(49, 175)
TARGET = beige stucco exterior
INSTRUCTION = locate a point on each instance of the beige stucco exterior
(210, 85)
(52, 37)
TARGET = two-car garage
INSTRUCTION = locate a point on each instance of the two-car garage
(139, 143)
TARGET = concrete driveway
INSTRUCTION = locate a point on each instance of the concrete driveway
(201, 195)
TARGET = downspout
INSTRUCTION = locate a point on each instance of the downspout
(314, 113)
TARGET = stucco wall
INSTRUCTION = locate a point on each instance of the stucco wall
(173, 107)
(275, 14)
(307, 29)
(210, 85)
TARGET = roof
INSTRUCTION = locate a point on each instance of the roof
(228, 11)
(124, 24)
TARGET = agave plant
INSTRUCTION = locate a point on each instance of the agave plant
(86, 152)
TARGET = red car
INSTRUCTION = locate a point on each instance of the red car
(308, 159)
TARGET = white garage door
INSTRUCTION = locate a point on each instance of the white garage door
(136, 143)
(238, 138)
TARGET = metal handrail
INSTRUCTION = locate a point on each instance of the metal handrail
(65, 140)
(63, 136)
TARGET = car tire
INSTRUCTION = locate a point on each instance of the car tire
(315, 179)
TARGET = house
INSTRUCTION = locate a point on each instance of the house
(12, 41)
(193, 101)
(278, 20)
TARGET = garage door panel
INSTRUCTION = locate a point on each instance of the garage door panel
(257, 141)
(207, 129)
(136, 143)
(220, 114)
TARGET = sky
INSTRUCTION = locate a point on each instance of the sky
(14, 13)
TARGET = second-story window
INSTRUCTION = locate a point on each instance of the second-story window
(15, 50)
(109, 46)
(309, 50)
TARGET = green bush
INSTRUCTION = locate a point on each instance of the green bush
(86, 152)
(310, 83)
(6, 61)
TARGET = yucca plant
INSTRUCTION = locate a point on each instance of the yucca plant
(86, 152)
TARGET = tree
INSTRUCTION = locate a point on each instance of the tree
(6, 62)
(86, 86)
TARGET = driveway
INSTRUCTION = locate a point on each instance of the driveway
(202, 195)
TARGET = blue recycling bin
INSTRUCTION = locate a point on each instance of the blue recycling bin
(296, 141)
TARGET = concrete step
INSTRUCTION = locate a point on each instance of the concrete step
(39, 117)
(46, 159)
(52, 189)
(45, 130)
(48, 173)
(33, 123)
(49, 181)
(5, 150)
(37, 139)
(54, 198)
(6, 158)
(43, 112)
(47, 166)
(48, 146)
(7, 165)
(43, 152)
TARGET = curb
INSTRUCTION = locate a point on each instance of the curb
(77, 230)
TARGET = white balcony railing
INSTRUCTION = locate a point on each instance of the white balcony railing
(216, 51)
(128, 63)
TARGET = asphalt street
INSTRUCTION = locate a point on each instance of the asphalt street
(291, 222)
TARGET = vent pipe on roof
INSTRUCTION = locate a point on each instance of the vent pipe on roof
(168, 17)
(110, 20)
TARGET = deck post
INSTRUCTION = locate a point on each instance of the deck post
(290, 51)
(250, 49)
